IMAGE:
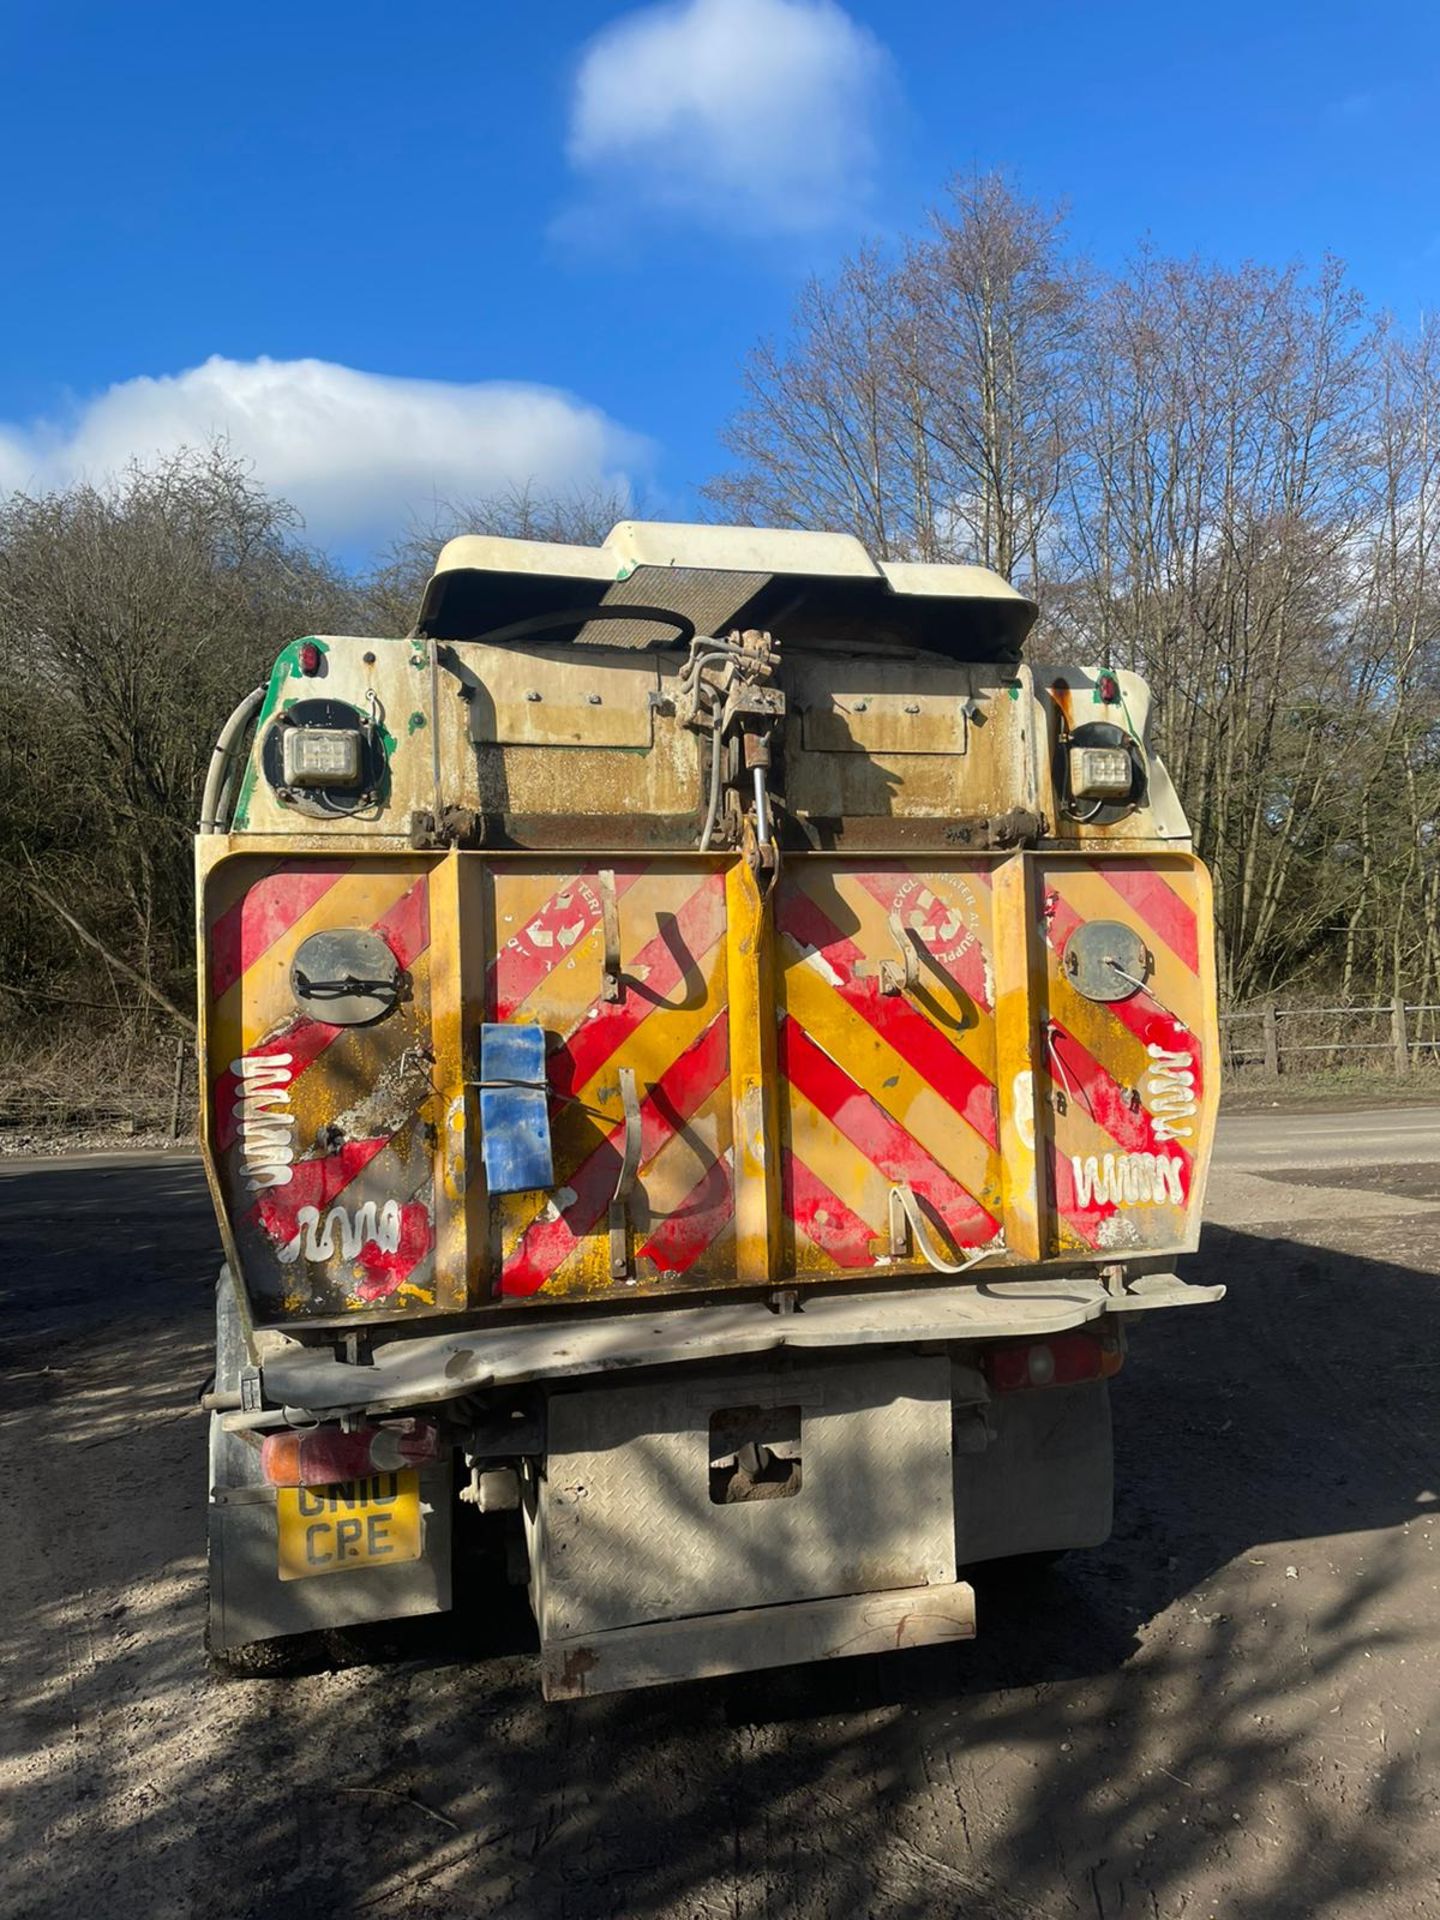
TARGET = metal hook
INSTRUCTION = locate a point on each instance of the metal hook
(624, 1185)
(905, 1210)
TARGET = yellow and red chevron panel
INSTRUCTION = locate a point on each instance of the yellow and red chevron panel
(1126, 1090)
(669, 1024)
(887, 1078)
(323, 1138)
(911, 1023)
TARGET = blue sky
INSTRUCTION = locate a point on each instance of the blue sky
(401, 253)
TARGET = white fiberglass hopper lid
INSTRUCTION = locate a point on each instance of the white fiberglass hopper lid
(800, 586)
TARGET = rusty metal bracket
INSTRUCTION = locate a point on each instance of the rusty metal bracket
(611, 987)
(902, 975)
(624, 1185)
(451, 827)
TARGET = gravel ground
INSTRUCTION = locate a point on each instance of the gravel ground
(1229, 1710)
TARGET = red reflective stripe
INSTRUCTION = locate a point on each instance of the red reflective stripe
(313, 1183)
(1102, 1097)
(954, 1075)
(654, 973)
(405, 927)
(1157, 904)
(271, 906)
(702, 1216)
(305, 1041)
(681, 1090)
(881, 1139)
(545, 940)
(835, 1228)
(385, 1273)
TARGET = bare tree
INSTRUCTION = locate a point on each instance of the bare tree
(132, 616)
(1224, 477)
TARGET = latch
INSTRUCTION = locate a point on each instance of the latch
(624, 1185)
(452, 827)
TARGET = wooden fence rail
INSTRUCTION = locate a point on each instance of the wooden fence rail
(1271, 1034)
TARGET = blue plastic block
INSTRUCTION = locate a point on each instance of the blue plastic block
(514, 1109)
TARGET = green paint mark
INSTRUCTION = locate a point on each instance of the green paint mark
(416, 720)
(286, 668)
(1013, 689)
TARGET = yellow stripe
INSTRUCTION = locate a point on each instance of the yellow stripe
(818, 1144)
(1018, 973)
(750, 967)
(563, 998)
(894, 1085)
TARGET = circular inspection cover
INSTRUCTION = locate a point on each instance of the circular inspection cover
(345, 976)
(1106, 960)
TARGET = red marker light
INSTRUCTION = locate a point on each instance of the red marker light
(1059, 1360)
(1108, 688)
(321, 1456)
(310, 659)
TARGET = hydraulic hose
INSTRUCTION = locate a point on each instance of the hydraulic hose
(217, 784)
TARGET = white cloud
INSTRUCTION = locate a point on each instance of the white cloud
(360, 454)
(752, 114)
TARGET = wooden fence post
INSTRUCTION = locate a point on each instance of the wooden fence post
(1272, 1041)
(1398, 1035)
(177, 1086)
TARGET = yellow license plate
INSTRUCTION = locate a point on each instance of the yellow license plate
(373, 1522)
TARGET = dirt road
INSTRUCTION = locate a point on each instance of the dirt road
(1233, 1709)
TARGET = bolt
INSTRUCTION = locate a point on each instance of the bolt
(912, 706)
(532, 693)
(593, 698)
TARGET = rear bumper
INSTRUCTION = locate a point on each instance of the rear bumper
(754, 1637)
(412, 1370)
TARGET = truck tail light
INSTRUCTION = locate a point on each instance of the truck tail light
(1059, 1360)
(1100, 773)
(322, 757)
(320, 1456)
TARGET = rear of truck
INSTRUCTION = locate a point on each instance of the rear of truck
(705, 1055)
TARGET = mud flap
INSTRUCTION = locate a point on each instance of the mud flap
(248, 1601)
(1034, 1472)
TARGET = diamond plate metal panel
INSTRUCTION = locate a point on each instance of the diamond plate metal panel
(624, 1530)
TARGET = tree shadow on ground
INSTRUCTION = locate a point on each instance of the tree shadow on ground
(1197, 1718)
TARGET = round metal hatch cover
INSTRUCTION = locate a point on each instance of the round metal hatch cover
(345, 976)
(1106, 960)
